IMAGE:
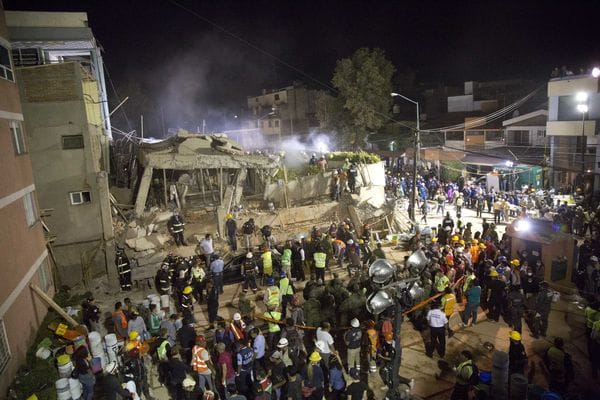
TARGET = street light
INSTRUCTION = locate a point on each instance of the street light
(388, 293)
(595, 72)
(582, 107)
(413, 197)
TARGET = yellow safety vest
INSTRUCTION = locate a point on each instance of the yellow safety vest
(285, 287)
(441, 283)
(273, 295)
(448, 302)
(273, 327)
(267, 263)
(320, 260)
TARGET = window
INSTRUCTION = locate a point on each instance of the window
(276, 123)
(541, 133)
(16, 131)
(270, 124)
(80, 198)
(44, 276)
(4, 349)
(6, 71)
(72, 142)
(31, 212)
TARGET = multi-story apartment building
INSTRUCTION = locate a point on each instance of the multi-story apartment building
(283, 112)
(64, 103)
(22, 245)
(573, 130)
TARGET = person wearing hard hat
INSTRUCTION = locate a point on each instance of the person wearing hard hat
(186, 301)
(249, 272)
(496, 288)
(238, 327)
(517, 358)
(448, 301)
(231, 229)
(136, 323)
(201, 364)
(313, 378)
(353, 340)
(272, 294)
(286, 292)
(133, 341)
(112, 385)
(516, 307)
(441, 282)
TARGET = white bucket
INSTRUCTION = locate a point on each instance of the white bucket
(64, 371)
(62, 389)
(75, 388)
(95, 339)
(164, 301)
(110, 340)
(555, 297)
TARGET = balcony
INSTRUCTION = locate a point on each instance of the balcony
(568, 86)
(570, 128)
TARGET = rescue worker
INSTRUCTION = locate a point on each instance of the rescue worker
(267, 261)
(298, 257)
(123, 268)
(441, 282)
(437, 325)
(464, 373)
(134, 367)
(91, 314)
(353, 340)
(517, 358)
(249, 272)
(112, 385)
(448, 305)
(373, 337)
(516, 306)
(231, 229)
(201, 364)
(162, 280)
(216, 269)
(247, 308)
(212, 303)
(378, 252)
(560, 367)
(272, 294)
(238, 327)
(119, 320)
(352, 174)
(248, 231)
(286, 292)
(266, 232)
(496, 295)
(542, 305)
(198, 281)
(176, 227)
(245, 366)
(286, 258)
(274, 316)
(186, 302)
(320, 259)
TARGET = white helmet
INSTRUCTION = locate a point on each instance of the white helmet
(354, 323)
(350, 241)
(237, 317)
(249, 255)
(282, 343)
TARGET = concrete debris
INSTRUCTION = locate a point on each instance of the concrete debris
(162, 216)
(152, 259)
(150, 229)
(140, 244)
(159, 239)
(135, 233)
(133, 224)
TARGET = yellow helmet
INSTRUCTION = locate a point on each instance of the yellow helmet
(130, 346)
(514, 335)
(482, 246)
(229, 216)
(462, 242)
(133, 335)
(493, 273)
(315, 357)
(455, 238)
(434, 239)
(475, 241)
(515, 262)
(187, 290)
(360, 241)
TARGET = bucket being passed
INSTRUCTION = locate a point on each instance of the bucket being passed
(79, 341)
(164, 301)
(62, 389)
(75, 388)
(110, 340)
(95, 339)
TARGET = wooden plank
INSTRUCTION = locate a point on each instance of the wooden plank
(54, 306)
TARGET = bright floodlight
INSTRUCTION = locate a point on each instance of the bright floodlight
(509, 163)
(582, 108)
(381, 271)
(522, 225)
(596, 72)
(581, 97)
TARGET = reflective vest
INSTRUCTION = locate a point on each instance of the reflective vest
(441, 283)
(273, 327)
(373, 338)
(464, 372)
(122, 318)
(273, 295)
(591, 316)
(247, 356)
(199, 364)
(237, 330)
(285, 287)
(448, 302)
(468, 281)
(474, 250)
(267, 263)
(161, 351)
(320, 259)
(123, 265)
(177, 225)
(198, 273)
(286, 258)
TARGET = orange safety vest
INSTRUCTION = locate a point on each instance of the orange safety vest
(373, 338)
(238, 331)
(199, 364)
(474, 250)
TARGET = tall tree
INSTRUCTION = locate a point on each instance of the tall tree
(363, 83)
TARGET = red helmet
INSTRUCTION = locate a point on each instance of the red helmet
(200, 339)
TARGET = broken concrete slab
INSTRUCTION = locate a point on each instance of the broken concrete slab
(155, 258)
(162, 216)
(158, 239)
(140, 244)
(134, 233)
(133, 224)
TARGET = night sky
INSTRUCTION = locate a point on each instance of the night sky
(185, 68)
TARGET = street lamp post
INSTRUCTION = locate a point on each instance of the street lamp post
(390, 292)
(582, 107)
(413, 197)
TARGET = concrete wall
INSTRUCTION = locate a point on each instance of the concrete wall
(54, 106)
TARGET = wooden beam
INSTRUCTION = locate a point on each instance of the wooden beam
(166, 194)
(54, 306)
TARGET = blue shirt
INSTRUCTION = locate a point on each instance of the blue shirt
(216, 267)
(336, 380)
(259, 346)
(473, 295)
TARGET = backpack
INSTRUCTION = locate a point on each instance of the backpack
(474, 378)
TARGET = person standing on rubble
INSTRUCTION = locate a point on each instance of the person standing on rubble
(231, 229)
(298, 257)
(248, 231)
(176, 227)
(249, 272)
(206, 248)
(123, 268)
